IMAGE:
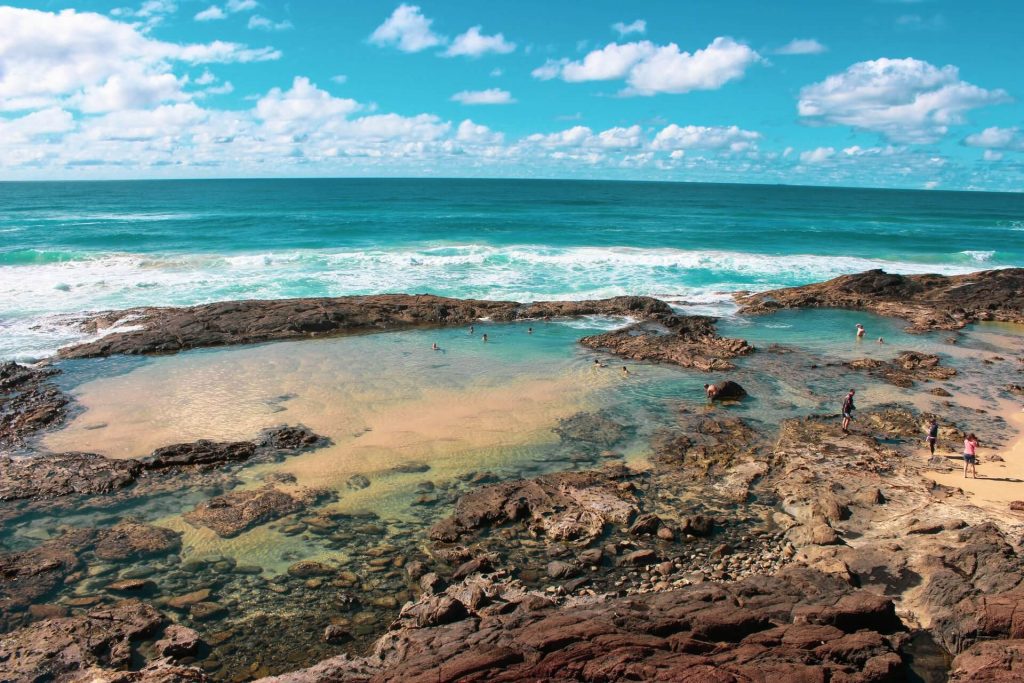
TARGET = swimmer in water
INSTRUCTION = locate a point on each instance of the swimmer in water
(599, 364)
(485, 337)
(625, 371)
(529, 330)
(881, 341)
(860, 331)
(436, 347)
(471, 329)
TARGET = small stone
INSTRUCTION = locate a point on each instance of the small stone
(336, 634)
(666, 534)
(185, 601)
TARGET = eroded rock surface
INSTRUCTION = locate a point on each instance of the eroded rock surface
(28, 402)
(799, 625)
(62, 474)
(232, 513)
(563, 506)
(686, 341)
(59, 649)
(907, 367)
(928, 302)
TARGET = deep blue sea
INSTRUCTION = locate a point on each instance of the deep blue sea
(66, 248)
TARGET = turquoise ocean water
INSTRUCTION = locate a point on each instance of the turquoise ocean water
(66, 248)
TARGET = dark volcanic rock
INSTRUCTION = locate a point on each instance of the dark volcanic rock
(291, 438)
(51, 475)
(568, 505)
(799, 625)
(55, 649)
(28, 402)
(929, 302)
(168, 330)
(728, 391)
(686, 341)
(234, 512)
(132, 540)
(202, 453)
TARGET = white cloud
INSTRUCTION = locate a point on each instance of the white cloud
(489, 96)
(732, 138)
(476, 134)
(262, 23)
(907, 100)
(992, 155)
(583, 137)
(802, 46)
(995, 138)
(623, 29)
(206, 78)
(407, 29)
(211, 13)
(650, 69)
(93, 62)
(670, 71)
(473, 43)
(235, 6)
(818, 155)
(549, 69)
(496, 72)
(613, 61)
(151, 12)
(620, 138)
(304, 102)
(39, 123)
(340, 79)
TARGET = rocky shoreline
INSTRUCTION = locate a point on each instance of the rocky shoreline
(742, 552)
(927, 302)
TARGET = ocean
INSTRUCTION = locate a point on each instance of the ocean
(66, 248)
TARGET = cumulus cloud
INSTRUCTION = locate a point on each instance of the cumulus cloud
(473, 43)
(211, 13)
(264, 24)
(996, 138)
(477, 134)
(650, 69)
(584, 137)
(801, 46)
(303, 102)
(94, 63)
(731, 138)
(151, 13)
(489, 96)
(235, 6)
(407, 29)
(906, 100)
(624, 29)
(817, 155)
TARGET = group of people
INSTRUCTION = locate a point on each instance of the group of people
(971, 443)
(861, 332)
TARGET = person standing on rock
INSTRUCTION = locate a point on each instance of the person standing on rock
(848, 409)
(971, 455)
(933, 435)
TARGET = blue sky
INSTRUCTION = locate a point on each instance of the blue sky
(921, 94)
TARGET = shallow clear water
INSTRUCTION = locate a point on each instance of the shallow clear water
(69, 247)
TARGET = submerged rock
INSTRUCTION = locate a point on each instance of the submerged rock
(907, 367)
(132, 540)
(232, 513)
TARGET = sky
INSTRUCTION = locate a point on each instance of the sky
(921, 94)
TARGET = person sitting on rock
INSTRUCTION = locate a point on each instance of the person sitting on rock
(933, 435)
(848, 409)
